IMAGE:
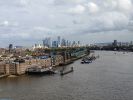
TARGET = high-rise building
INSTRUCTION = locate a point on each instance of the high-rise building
(63, 43)
(115, 43)
(78, 43)
(67, 43)
(74, 44)
(131, 43)
(10, 47)
(59, 41)
(47, 42)
(55, 44)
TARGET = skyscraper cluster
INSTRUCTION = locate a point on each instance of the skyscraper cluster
(59, 42)
(47, 42)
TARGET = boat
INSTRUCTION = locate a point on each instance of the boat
(86, 60)
(40, 70)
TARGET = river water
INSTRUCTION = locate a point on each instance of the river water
(108, 78)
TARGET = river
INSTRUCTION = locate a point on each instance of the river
(108, 78)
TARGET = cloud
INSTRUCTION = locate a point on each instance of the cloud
(4, 23)
(16, 36)
(39, 28)
(68, 2)
(79, 9)
(24, 2)
(125, 5)
(93, 8)
(8, 24)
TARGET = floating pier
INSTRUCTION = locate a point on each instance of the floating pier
(39, 70)
(66, 72)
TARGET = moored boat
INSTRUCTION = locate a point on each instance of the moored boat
(86, 61)
(40, 70)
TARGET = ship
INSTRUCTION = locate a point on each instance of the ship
(87, 60)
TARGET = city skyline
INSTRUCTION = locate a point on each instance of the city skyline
(57, 42)
(60, 42)
(25, 22)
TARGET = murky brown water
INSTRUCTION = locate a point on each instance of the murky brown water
(108, 78)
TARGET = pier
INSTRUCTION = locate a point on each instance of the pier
(62, 72)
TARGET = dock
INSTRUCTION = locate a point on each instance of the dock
(39, 70)
(62, 72)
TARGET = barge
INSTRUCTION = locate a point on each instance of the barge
(40, 70)
(62, 72)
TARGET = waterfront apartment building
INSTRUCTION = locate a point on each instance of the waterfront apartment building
(16, 68)
(57, 60)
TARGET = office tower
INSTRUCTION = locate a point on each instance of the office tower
(78, 43)
(59, 41)
(55, 44)
(63, 42)
(10, 47)
(47, 42)
(74, 43)
(67, 43)
(131, 43)
(115, 43)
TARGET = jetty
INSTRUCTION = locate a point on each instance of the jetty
(62, 72)
(40, 70)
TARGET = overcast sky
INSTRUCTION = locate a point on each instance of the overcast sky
(25, 22)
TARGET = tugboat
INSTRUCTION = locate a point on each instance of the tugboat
(40, 70)
(88, 60)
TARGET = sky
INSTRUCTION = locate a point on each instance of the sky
(26, 22)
